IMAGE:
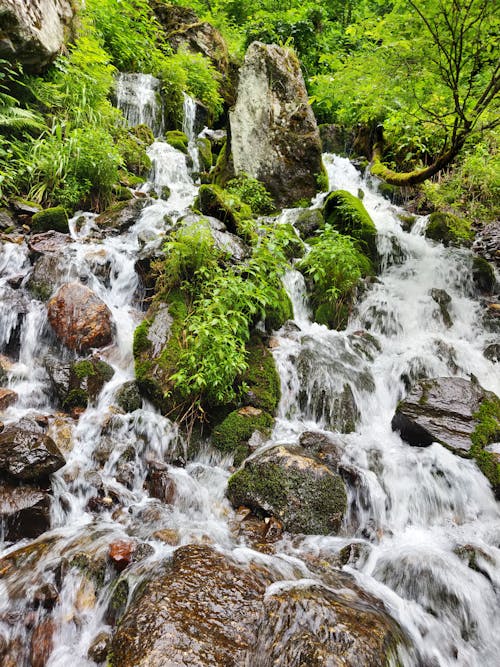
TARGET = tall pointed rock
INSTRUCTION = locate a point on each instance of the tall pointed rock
(274, 136)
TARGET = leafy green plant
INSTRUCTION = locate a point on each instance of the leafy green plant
(251, 192)
(334, 267)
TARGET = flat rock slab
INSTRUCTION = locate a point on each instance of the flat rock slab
(440, 410)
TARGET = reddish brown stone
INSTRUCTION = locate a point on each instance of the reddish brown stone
(7, 398)
(79, 318)
(42, 643)
(120, 553)
(48, 242)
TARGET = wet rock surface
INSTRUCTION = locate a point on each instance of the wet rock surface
(487, 242)
(274, 136)
(440, 410)
(178, 613)
(28, 455)
(24, 511)
(303, 493)
(79, 318)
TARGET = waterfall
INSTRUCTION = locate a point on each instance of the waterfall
(411, 509)
(138, 97)
(188, 127)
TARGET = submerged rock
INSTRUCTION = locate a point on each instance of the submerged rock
(79, 318)
(274, 133)
(303, 493)
(28, 455)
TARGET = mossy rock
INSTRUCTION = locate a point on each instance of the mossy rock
(128, 397)
(346, 214)
(54, 218)
(261, 377)
(217, 203)
(449, 229)
(177, 140)
(322, 179)
(87, 377)
(486, 432)
(121, 216)
(133, 152)
(237, 429)
(121, 193)
(130, 180)
(309, 221)
(205, 152)
(279, 313)
(483, 275)
(143, 133)
(224, 167)
(305, 495)
(407, 221)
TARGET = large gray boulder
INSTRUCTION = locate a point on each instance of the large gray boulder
(274, 135)
(33, 32)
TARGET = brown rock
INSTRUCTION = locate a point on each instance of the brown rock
(120, 554)
(7, 398)
(79, 318)
(167, 535)
(161, 485)
(52, 241)
(28, 455)
(42, 643)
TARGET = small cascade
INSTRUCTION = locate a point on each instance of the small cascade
(188, 127)
(138, 98)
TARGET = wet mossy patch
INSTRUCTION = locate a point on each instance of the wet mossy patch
(486, 432)
(237, 429)
(347, 214)
(177, 140)
(449, 229)
(55, 219)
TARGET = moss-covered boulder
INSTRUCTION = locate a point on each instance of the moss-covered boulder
(346, 214)
(233, 434)
(304, 494)
(483, 275)
(224, 166)
(216, 202)
(261, 377)
(157, 348)
(49, 272)
(132, 145)
(205, 152)
(449, 229)
(457, 413)
(178, 140)
(76, 384)
(307, 221)
(54, 218)
(128, 397)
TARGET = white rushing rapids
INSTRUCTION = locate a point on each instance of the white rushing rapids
(410, 510)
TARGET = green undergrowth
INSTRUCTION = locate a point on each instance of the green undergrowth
(209, 360)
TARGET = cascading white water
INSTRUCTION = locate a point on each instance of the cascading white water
(138, 98)
(410, 508)
(188, 127)
(417, 507)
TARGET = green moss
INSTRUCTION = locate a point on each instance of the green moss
(252, 192)
(133, 152)
(83, 369)
(346, 214)
(130, 180)
(51, 219)
(449, 229)
(141, 341)
(279, 313)
(227, 207)
(143, 133)
(322, 179)
(76, 398)
(304, 503)
(237, 428)
(486, 432)
(261, 377)
(205, 153)
(224, 168)
(178, 140)
(483, 274)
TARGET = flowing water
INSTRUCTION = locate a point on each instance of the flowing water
(410, 508)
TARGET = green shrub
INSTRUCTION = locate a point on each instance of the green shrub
(334, 267)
